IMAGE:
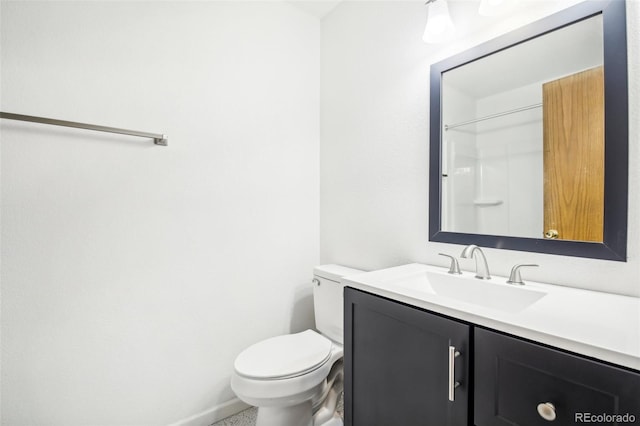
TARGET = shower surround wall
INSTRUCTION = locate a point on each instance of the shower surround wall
(511, 166)
(132, 274)
(494, 179)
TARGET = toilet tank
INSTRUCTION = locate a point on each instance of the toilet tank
(328, 299)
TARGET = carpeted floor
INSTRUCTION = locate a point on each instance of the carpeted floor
(248, 417)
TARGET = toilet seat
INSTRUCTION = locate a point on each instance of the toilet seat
(296, 380)
(302, 386)
(284, 357)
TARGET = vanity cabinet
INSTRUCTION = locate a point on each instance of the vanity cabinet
(397, 374)
(523, 383)
(398, 360)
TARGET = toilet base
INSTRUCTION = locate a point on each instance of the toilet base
(305, 413)
(297, 415)
(307, 400)
(293, 415)
(336, 421)
(326, 413)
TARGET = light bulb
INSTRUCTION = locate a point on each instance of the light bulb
(439, 25)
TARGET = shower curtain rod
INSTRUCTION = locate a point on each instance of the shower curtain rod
(488, 117)
(158, 139)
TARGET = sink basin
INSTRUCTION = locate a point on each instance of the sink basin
(491, 294)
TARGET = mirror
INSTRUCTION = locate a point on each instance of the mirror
(529, 138)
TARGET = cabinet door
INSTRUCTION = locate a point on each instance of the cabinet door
(513, 377)
(397, 365)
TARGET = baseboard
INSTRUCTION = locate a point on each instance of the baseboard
(214, 414)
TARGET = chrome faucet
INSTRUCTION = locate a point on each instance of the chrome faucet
(482, 269)
(515, 277)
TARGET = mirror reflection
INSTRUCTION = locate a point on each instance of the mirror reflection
(523, 139)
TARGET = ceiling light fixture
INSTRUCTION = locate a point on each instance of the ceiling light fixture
(439, 25)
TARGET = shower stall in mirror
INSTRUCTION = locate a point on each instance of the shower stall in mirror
(523, 151)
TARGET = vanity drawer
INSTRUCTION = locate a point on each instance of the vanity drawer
(513, 377)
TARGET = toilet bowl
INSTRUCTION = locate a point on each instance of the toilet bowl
(286, 372)
(296, 379)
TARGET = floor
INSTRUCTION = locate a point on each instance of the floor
(248, 417)
(243, 418)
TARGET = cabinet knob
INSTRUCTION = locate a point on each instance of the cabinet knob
(547, 411)
(552, 234)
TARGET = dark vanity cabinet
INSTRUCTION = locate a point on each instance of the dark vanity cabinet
(399, 359)
(523, 383)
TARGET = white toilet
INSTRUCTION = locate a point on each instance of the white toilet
(296, 379)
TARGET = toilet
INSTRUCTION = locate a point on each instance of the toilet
(296, 379)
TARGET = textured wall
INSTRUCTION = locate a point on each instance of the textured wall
(132, 275)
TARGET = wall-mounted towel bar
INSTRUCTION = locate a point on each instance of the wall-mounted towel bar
(488, 117)
(158, 139)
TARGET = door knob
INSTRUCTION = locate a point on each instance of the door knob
(551, 234)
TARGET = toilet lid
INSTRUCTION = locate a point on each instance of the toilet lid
(285, 356)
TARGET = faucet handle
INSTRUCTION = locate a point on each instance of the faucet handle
(515, 277)
(454, 268)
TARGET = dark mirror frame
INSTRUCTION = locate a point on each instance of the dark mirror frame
(614, 245)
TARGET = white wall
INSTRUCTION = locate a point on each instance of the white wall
(134, 274)
(374, 149)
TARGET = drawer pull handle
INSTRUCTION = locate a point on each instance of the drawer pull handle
(453, 354)
(547, 411)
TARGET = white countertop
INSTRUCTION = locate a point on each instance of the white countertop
(600, 325)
